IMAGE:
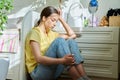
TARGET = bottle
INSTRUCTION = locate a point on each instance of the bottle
(85, 22)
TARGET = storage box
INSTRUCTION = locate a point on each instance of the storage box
(114, 21)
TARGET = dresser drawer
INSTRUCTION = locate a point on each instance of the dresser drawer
(99, 51)
(99, 35)
(101, 68)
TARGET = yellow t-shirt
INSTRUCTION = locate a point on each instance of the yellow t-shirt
(44, 41)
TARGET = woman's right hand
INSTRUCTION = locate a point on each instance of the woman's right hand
(68, 59)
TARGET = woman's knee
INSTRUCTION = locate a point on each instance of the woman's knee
(62, 47)
(71, 41)
(60, 40)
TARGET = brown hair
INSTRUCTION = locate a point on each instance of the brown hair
(47, 11)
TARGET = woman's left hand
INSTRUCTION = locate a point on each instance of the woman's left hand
(60, 13)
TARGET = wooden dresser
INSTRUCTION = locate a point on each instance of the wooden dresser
(100, 47)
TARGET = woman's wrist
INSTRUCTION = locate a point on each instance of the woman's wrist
(60, 19)
(61, 61)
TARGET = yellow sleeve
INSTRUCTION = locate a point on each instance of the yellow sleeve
(34, 35)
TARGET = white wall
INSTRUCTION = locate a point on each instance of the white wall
(19, 4)
(104, 6)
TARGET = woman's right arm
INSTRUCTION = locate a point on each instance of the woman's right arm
(67, 59)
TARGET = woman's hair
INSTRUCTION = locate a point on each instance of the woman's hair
(47, 11)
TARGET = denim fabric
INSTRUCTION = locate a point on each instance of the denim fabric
(74, 49)
(59, 48)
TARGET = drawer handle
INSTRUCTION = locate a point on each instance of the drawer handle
(78, 35)
(80, 51)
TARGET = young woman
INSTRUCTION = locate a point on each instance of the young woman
(48, 52)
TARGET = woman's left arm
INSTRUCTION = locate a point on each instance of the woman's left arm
(70, 32)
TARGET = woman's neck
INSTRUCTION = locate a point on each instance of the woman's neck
(42, 27)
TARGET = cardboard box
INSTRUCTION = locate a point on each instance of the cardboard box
(114, 21)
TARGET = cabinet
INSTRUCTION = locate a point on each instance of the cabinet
(100, 46)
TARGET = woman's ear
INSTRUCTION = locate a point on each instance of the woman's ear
(43, 18)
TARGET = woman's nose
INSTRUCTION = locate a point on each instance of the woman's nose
(54, 24)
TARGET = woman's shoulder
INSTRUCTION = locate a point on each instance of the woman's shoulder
(35, 29)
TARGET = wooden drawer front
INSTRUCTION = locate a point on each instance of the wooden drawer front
(101, 68)
(99, 51)
(99, 35)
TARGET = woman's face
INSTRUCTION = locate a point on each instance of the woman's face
(50, 22)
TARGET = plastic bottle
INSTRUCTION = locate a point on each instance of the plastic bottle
(85, 22)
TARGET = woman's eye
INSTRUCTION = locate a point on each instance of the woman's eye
(53, 20)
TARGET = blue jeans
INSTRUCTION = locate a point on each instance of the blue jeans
(59, 48)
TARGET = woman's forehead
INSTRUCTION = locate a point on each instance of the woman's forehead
(54, 15)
